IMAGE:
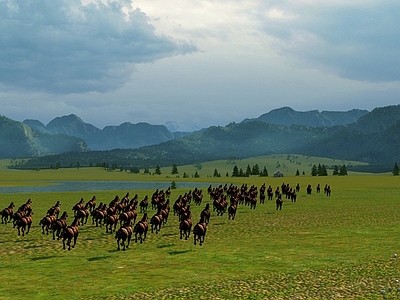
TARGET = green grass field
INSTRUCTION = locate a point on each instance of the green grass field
(317, 248)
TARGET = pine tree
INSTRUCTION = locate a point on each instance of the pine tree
(297, 172)
(173, 185)
(335, 170)
(196, 175)
(264, 172)
(314, 171)
(174, 169)
(216, 174)
(323, 171)
(255, 170)
(235, 172)
(396, 170)
(158, 170)
(343, 170)
(248, 171)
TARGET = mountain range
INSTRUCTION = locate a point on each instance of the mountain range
(351, 135)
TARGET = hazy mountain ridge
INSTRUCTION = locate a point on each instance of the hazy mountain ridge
(288, 117)
(19, 140)
(375, 144)
(124, 136)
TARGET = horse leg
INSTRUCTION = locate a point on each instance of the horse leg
(118, 248)
(75, 238)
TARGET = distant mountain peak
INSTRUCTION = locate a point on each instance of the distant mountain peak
(288, 117)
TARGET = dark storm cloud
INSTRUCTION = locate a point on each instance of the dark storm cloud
(66, 47)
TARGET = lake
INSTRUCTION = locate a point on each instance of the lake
(73, 186)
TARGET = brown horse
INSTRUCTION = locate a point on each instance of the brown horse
(47, 222)
(83, 214)
(24, 223)
(99, 215)
(156, 221)
(54, 210)
(6, 213)
(71, 232)
(78, 206)
(199, 231)
(144, 204)
(92, 204)
(124, 234)
(111, 222)
(141, 229)
(129, 216)
(185, 226)
(59, 225)
(232, 211)
(206, 213)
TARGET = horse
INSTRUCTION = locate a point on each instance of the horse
(99, 215)
(156, 221)
(128, 216)
(309, 189)
(279, 202)
(206, 213)
(111, 222)
(232, 211)
(141, 229)
(270, 193)
(54, 210)
(78, 206)
(47, 222)
(25, 222)
(71, 232)
(59, 225)
(6, 213)
(318, 188)
(199, 231)
(83, 214)
(185, 226)
(165, 208)
(144, 204)
(328, 190)
(92, 204)
(124, 234)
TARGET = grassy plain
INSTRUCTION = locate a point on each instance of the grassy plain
(317, 248)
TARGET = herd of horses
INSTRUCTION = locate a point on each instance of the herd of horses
(122, 212)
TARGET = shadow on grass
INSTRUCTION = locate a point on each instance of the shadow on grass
(165, 246)
(99, 257)
(178, 252)
(42, 257)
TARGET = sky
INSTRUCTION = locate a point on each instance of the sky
(195, 64)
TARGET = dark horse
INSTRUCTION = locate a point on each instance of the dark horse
(59, 225)
(199, 231)
(6, 213)
(47, 222)
(124, 234)
(185, 225)
(279, 202)
(141, 229)
(206, 213)
(25, 222)
(71, 232)
(156, 221)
